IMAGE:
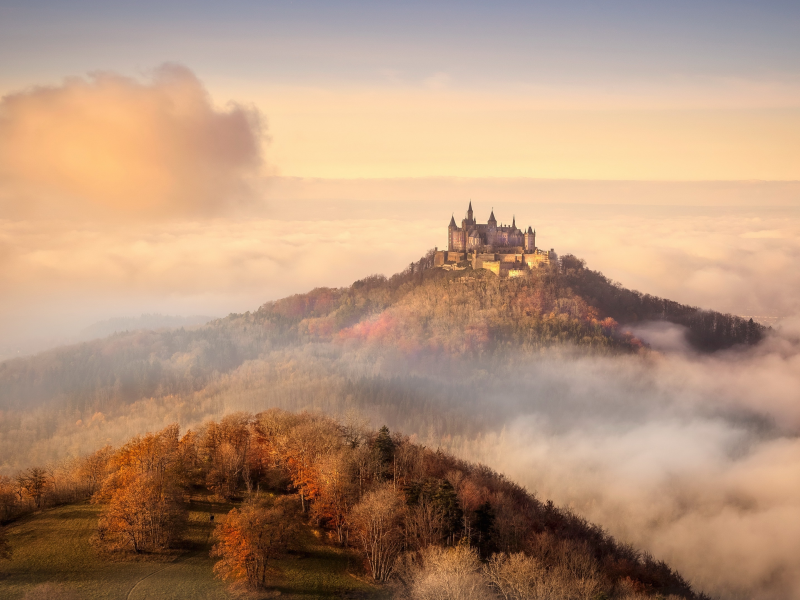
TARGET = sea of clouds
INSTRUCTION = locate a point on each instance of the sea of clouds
(692, 457)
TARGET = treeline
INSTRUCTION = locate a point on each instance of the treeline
(708, 330)
(421, 519)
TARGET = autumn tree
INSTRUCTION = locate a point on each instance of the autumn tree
(92, 468)
(223, 447)
(35, 483)
(142, 496)
(377, 521)
(144, 514)
(337, 494)
(301, 448)
(252, 536)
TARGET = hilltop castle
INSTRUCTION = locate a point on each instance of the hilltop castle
(502, 249)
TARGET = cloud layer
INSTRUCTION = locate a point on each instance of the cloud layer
(108, 143)
(694, 458)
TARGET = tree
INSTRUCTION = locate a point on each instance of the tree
(447, 574)
(224, 447)
(337, 492)
(445, 500)
(484, 528)
(519, 577)
(35, 483)
(5, 546)
(384, 449)
(302, 447)
(8, 499)
(424, 524)
(252, 536)
(142, 495)
(144, 514)
(377, 524)
(92, 469)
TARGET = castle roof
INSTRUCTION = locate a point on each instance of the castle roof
(452, 221)
(529, 229)
(491, 217)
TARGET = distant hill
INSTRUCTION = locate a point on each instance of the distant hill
(146, 321)
(421, 310)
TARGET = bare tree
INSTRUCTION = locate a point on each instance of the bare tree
(520, 577)
(377, 523)
(448, 574)
(424, 524)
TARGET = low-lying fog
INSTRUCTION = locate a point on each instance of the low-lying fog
(695, 458)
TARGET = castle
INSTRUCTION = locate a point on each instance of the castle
(502, 249)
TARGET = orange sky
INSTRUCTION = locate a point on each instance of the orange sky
(418, 132)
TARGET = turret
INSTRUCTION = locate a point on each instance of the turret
(452, 230)
(469, 213)
(492, 220)
(530, 240)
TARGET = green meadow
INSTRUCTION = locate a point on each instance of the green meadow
(54, 559)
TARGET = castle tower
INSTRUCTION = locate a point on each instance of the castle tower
(491, 230)
(451, 230)
(530, 240)
(469, 214)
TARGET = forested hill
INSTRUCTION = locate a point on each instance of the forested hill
(421, 310)
(428, 524)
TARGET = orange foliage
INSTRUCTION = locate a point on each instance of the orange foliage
(250, 537)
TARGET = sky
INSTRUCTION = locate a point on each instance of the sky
(199, 158)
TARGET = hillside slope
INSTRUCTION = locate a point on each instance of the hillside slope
(375, 493)
(428, 310)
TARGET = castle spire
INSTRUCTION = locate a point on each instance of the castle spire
(453, 222)
(514, 222)
(469, 211)
(491, 217)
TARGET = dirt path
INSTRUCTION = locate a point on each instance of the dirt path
(135, 585)
(197, 553)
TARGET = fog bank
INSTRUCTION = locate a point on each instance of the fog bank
(694, 458)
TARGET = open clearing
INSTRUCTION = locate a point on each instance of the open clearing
(53, 558)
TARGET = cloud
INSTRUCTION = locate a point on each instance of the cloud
(109, 143)
(693, 458)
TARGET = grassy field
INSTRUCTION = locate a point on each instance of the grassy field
(53, 559)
